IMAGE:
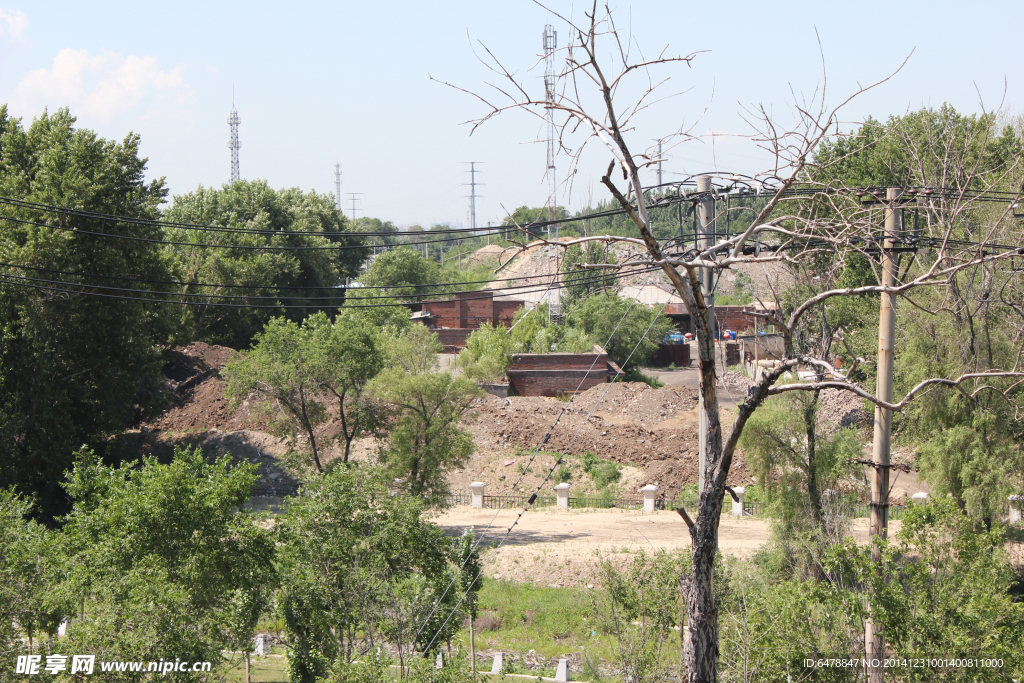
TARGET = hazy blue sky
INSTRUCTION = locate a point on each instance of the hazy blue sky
(317, 83)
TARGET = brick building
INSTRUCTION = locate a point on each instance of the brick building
(455, 319)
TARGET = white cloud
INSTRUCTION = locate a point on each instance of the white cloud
(100, 86)
(14, 23)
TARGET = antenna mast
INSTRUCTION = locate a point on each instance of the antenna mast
(550, 42)
(337, 185)
(233, 143)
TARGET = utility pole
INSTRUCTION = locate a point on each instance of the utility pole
(353, 197)
(874, 639)
(707, 224)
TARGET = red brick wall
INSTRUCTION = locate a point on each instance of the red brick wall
(447, 312)
(453, 340)
(551, 374)
(474, 312)
(505, 312)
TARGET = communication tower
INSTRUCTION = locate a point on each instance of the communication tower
(337, 186)
(233, 143)
(550, 43)
(473, 196)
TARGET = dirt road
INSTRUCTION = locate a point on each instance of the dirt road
(555, 547)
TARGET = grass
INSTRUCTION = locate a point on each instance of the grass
(634, 375)
(261, 670)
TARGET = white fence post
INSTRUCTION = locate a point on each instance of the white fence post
(1016, 507)
(562, 674)
(499, 663)
(562, 491)
(737, 505)
(477, 489)
(649, 492)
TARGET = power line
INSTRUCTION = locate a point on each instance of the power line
(528, 288)
(19, 281)
(641, 269)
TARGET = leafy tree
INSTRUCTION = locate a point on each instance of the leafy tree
(278, 372)
(641, 327)
(348, 546)
(284, 276)
(161, 556)
(425, 440)
(76, 367)
(403, 272)
(27, 569)
(945, 583)
(343, 357)
(578, 283)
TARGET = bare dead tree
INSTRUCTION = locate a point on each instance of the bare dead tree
(840, 226)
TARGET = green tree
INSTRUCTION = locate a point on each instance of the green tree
(578, 283)
(403, 272)
(27, 569)
(160, 557)
(77, 368)
(287, 266)
(277, 371)
(944, 583)
(641, 328)
(348, 548)
(425, 440)
(343, 357)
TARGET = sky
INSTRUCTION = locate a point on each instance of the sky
(360, 84)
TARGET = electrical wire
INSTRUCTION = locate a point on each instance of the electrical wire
(20, 282)
(302, 298)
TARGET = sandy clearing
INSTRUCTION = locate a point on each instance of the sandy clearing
(563, 547)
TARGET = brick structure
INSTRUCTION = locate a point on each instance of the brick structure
(553, 374)
(456, 318)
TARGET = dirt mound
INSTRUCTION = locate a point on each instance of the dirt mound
(628, 423)
(840, 409)
(192, 377)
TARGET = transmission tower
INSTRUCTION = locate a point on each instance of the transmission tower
(233, 143)
(354, 197)
(472, 192)
(550, 43)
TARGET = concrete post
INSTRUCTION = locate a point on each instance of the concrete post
(562, 491)
(919, 498)
(1016, 508)
(874, 640)
(499, 663)
(439, 662)
(477, 490)
(737, 505)
(562, 673)
(649, 492)
(262, 645)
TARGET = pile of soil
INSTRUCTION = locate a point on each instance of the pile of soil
(192, 376)
(629, 423)
(841, 409)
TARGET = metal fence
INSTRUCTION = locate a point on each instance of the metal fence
(751, 509)
(275, 491)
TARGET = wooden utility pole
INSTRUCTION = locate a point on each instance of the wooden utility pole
(874, 639)
(707, 224)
